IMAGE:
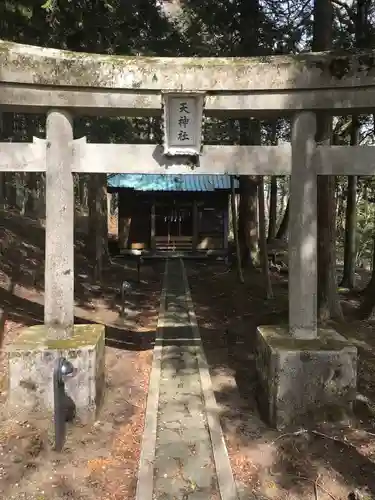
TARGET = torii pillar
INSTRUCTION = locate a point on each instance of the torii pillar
(304, 371)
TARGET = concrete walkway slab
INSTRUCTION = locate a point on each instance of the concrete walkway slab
(183, 451)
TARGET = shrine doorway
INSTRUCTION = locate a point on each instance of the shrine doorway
(174, 225)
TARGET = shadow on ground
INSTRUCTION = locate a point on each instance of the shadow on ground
(22, 245)
(22, 286)
(100, 460)
(337, 458)
(29, 313)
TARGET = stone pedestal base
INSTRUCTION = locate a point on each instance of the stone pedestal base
(32, 358)
(302, 382)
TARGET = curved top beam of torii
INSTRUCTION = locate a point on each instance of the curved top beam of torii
(25, 64)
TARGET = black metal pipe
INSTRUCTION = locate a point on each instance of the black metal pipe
(63, 368)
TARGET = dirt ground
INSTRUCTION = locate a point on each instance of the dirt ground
(100, 462)
(327, 463)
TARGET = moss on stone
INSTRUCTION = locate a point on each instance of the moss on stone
(341, 66)
(279, 338)
(62, 67)
(39, 337)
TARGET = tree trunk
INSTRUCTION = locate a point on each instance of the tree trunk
(20, 191)
(282, 233)
(367, 305)
(263, 240)
(235, 229)
(362, 24)
(2, 175)
(273, 209)
(6, 134)
(365, 195)
(97, 240)
(328, 299)
(273, 194)
(329, 306)
(248, 221)
(248, 206)
(31, 194)
(284, 196)
(350, 248)
(250, 21)
(350, 245)
(82, 183)
(41, 209)
(340, 208)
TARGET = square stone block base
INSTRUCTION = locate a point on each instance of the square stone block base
(32, 358)
(303, 382)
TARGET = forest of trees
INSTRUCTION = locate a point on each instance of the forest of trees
(346, 211)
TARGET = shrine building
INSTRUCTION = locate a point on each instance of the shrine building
(164, 213)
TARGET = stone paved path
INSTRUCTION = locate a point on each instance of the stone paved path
(185, 462)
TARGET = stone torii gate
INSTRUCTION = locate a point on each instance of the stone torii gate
(300, 367)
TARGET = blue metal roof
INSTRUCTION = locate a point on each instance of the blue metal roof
(165, 182)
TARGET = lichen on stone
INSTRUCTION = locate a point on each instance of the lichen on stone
(61, 67)
(38, 337)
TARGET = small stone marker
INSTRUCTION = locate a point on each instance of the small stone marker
(126, 288)
(138, 253)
